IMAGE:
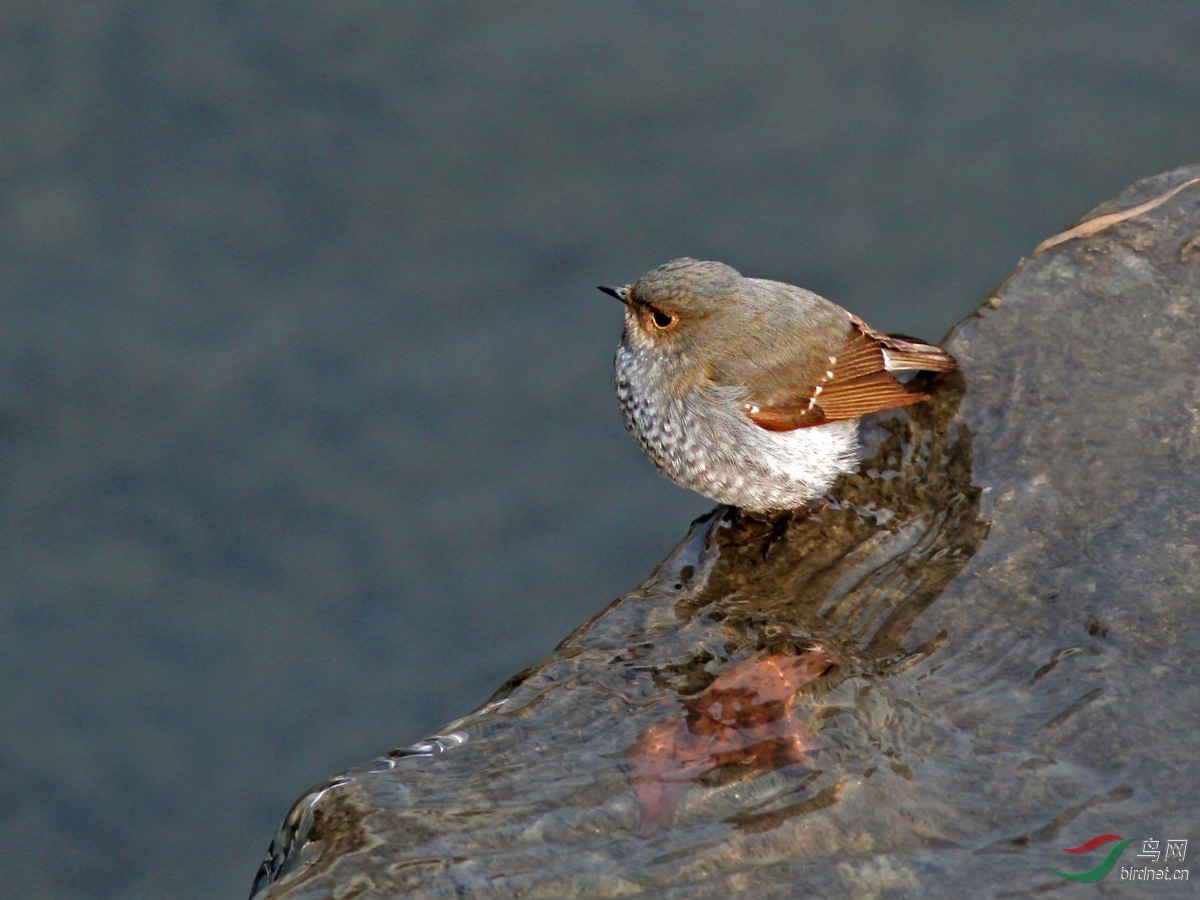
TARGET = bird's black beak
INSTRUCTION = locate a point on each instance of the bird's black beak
(620, 293)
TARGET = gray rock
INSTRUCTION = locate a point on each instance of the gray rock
(1008, 589)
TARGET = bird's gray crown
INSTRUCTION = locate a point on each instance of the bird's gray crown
(686, 285)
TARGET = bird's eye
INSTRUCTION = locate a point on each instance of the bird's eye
(662, 319)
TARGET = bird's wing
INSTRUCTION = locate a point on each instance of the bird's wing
(857, 381)
(907, 354)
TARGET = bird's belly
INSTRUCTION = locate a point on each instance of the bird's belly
(707, 445)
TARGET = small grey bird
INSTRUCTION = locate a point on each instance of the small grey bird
(748, 391)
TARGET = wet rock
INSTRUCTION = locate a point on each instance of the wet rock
(977, 652)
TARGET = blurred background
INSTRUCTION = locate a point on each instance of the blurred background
(307, 436)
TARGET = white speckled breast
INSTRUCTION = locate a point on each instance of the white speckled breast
(703, 442)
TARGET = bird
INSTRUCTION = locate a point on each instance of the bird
(749, 391)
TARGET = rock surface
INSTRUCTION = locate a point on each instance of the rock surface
(980, 651)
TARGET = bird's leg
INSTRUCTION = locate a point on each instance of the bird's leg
(779, 528)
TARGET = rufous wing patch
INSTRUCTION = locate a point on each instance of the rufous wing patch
(857, 382)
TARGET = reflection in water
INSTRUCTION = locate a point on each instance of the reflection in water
(740, 657)
(744, 718)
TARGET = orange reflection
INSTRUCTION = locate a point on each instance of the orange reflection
(744, 717)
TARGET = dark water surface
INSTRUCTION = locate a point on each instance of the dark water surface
(307, 440)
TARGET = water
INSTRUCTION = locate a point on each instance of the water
(308, 436)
